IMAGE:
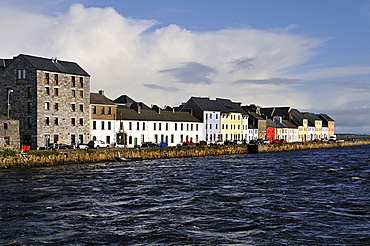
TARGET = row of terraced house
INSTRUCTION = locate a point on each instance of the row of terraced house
(46, 100)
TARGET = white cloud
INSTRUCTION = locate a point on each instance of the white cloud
(129, 56)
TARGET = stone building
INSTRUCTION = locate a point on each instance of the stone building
(50, 98)
(9, 133)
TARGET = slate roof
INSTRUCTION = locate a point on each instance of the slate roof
(276, 111)
(230, 106)
(48, 64)
(289, 124)
(123, 113)
(5, 62)
(275, 124)
(325, 117)
(97, 98)
(208, 105)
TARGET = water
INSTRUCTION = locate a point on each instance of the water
(308, 197)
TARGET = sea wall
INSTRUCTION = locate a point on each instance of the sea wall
(49, 158)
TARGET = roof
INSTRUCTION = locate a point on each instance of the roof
(289, 124)
(124, 99)
(275, 124)
(53, 65)
(325, 117)
(97, 98)
(153, 115)
(230, 106)
(275, 111)
(207, 104)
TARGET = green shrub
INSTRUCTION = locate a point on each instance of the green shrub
(8, 152)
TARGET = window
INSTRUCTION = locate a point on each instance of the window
(73, 121)
(73, 93)
(81, 94)
(56, 121)
(73, 139)
(73, 81)
(56, 91)
(81, 107)
(102, 125)
(166, 126)
(56, 106)
(143, 126)
(160, 126)
(56, 80)
(29, 92)
(29, 122)
(137, 126)
(102, 110)
(175, 126)
(73, 107)
(109, 125)
(182, 127)
(94, 125)
(5, 126)
(109, 110)
(47, 90)
(155, 126)
(47, 78)
(6, 140)
(130, 126)
(172, 138)
(81, 121)
(29, 106)
(21, 73)
(81, 82)
(47, 106)
(196, 127)
(94, 110)
(47, 121)
(191, 127)
(108, 140)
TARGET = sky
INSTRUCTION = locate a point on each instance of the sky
(312, 55)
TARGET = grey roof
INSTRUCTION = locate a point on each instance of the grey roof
(97, 98)
(275, 124)
(48, 64)
(230, 106)
(124, 99)
(152, 115)
(289, 124)
(207, 104)
(275, 111)
(325, 117)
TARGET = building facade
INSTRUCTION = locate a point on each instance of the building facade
(50, 98)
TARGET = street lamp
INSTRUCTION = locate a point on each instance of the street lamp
(9, 91)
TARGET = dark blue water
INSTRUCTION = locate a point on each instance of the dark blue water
(309, 197)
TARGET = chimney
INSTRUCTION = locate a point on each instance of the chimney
(138, 108)
(101, 92)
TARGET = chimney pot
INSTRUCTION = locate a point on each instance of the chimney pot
(101, 92)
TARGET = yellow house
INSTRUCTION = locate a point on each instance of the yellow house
(301, 122)
(231, 126)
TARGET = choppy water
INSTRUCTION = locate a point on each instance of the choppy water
(309, 197)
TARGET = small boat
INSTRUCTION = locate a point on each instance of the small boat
(124, 159)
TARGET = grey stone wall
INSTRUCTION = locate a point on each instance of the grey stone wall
(9, 129)
(28, 104)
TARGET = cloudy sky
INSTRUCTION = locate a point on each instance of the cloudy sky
(308, 54)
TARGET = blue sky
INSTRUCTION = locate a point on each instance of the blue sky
(308, 54)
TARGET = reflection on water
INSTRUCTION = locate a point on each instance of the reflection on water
(309, 197)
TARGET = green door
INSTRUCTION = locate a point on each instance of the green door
(135, 141)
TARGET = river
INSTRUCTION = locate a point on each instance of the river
(304, 197)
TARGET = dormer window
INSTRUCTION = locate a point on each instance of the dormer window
(21, 73)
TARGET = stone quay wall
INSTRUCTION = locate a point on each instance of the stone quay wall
(63, 157)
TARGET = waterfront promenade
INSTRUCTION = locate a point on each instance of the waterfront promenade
(62, 157)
